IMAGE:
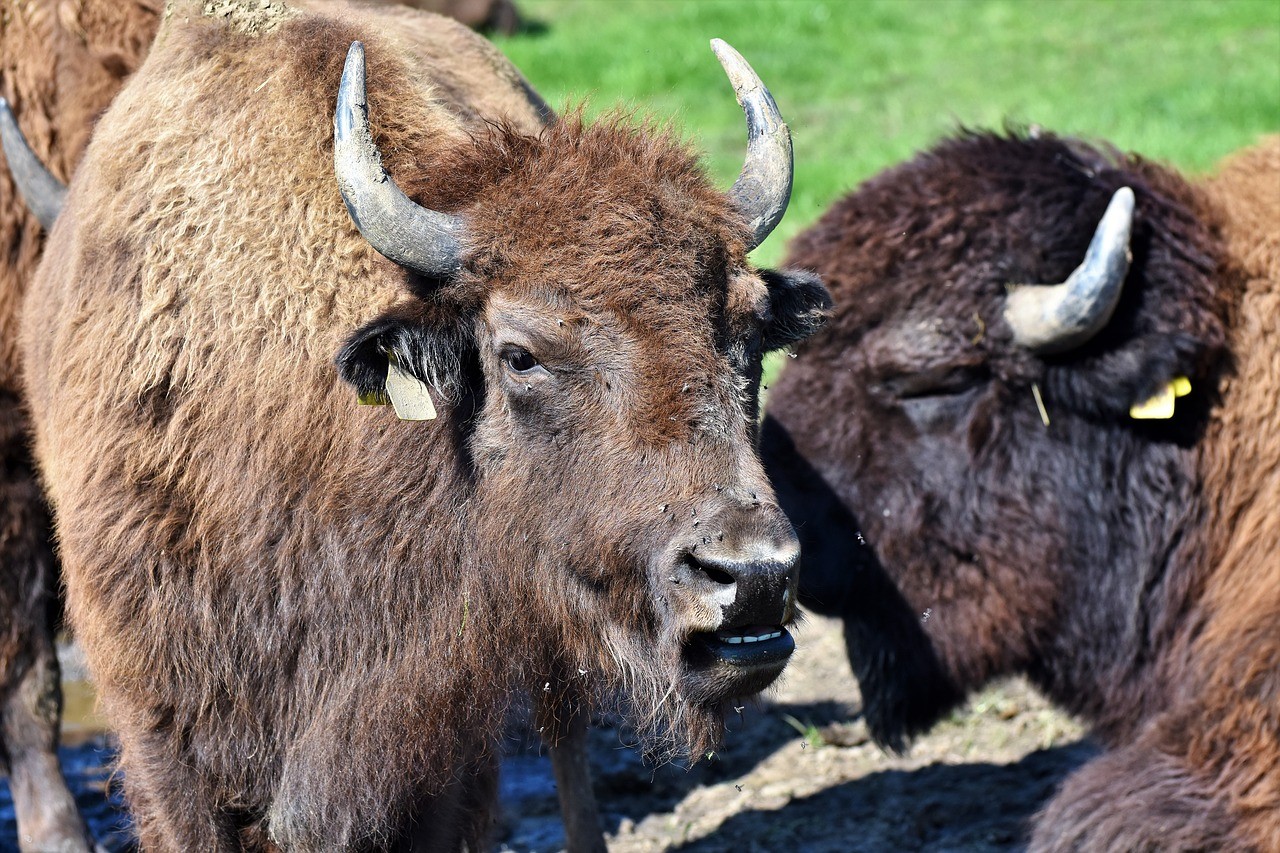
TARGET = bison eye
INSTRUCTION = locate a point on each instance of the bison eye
(935, 382)
(519, 360)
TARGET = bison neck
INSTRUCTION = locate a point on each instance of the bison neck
(1127, 585)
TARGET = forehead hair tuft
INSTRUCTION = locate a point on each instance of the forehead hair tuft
(610, 210)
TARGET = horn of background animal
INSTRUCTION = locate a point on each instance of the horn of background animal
(413, 236)
(764, 186)
(1060, 317)
(43, 193)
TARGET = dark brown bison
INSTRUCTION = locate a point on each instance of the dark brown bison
(968, 454)
(307, 619)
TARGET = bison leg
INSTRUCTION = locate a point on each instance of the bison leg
(172, 806)
(573, 781)
(562, 720)
(458, 818)
(48, 820)
(30, 692)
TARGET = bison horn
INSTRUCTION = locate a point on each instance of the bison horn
(1057, 318)
(43, 193)
(763, 188)
(424, 240)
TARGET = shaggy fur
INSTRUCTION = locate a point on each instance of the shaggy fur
(61, 63)
(306, 618)
(1130, 568)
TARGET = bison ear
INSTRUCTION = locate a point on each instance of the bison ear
(799, 305)
(428, 343)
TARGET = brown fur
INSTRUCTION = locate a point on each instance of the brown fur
(60, 64)
(1132, 569)
(307, 619)
(497, 15)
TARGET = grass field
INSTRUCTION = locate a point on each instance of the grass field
(865, 83)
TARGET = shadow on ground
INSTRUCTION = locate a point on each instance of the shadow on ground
(940, 807)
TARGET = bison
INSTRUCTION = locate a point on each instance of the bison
(307, 619)
(1074, 481)
(61, 63)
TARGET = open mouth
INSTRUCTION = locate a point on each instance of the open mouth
(750, 647)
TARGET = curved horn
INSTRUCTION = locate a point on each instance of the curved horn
(764, 186)
(1060, 317)
(413, 236)
(43, 193)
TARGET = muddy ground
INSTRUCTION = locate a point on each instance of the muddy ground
(796, 774)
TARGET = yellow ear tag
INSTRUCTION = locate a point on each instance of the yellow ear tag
(408, 395)
(1160, 407)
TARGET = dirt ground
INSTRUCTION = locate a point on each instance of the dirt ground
(796, 773)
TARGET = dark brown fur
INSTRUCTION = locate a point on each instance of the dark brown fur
(1129, 568)
(307, 620)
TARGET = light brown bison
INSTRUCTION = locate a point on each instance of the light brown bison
(1034, 494)
(60, 64)
(307, 619)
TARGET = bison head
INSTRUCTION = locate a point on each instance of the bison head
(586, 318)
(957, 446)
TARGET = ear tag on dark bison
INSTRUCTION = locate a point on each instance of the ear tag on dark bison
(1160, 407)
(408, 393)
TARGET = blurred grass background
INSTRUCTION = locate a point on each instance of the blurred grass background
(866, 83)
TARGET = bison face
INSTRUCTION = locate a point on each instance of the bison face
(609, 423)
(594, 333)
(955, 449)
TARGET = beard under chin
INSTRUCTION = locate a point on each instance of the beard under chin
(652, 695)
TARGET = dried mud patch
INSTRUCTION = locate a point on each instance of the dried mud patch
(252, 17)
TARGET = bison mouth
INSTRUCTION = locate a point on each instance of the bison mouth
(736, 661)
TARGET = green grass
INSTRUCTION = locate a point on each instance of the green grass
(866, 84)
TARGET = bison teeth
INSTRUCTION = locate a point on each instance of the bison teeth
(735, 639)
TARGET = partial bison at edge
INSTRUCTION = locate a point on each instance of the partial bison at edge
(1057, 431)
(308, 618)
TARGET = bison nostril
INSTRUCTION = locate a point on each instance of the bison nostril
(707, 569)
(720, 576)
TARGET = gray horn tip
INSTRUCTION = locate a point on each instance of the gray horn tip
(1119, 213)
(740, 74)
(1056, 318)
(763, 188)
